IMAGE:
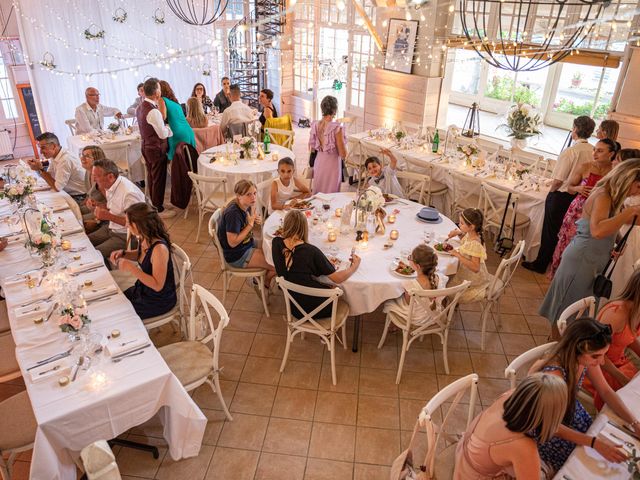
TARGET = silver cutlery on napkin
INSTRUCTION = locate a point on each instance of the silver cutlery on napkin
(50, 312)
(57, 367)
(117, 358)
(50, 359)
(84, 271)
(37, 300)
(132, 354)
(76, 368)
(620, 439)
(103, 298)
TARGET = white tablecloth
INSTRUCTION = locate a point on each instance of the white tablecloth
(70, 418)
(115, 150)
(585, 462)
(373, 282)
(531, 203)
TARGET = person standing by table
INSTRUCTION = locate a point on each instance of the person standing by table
(172, 111)
(153, 135)
(90, 115)
(327, 139)
(223, 98)
(558, 199)
(64, 172)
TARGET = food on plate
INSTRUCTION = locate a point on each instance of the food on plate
(443, 247)
(404, 269)
(389, 197)
(300, 204)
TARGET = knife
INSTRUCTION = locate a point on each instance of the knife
(49, 360)
(131, 351)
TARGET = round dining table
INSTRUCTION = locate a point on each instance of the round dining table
(375, 281)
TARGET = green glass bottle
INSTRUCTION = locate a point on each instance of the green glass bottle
(436, 143)
(266, 141)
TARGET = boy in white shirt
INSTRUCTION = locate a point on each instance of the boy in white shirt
(384, 177)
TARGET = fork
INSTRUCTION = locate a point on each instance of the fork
(133, 354)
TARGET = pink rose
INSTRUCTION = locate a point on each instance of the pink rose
(20, 189)
(80, 311)
(76, 322)
(64, 319)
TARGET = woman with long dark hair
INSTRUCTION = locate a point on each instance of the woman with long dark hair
(200, 92)
(173, 113)
(154, 292)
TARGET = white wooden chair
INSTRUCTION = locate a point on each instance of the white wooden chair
(414, 185)
(285, 139)
(325, 328)
(99, 462)
(192, 361)
(464, 193)
(493, 201)
(499, 283)
(209, 195)
(525, 360)
(178, 314)
(9, 368)
(71, 123)
(263, 192)
(434, 188)
(229, 271)
(119, 154)
(17, 430)
(438, 324)
(583, 307)
(443, 404)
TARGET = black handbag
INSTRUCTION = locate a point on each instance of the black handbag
(504, 245)
(602, 283)
(312, 158)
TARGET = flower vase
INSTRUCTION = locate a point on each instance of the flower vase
(467, 161)
(518, 143)
(48, 257)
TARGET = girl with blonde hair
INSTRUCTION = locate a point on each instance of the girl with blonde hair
(195, 113)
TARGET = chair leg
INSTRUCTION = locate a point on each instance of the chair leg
(263, 295)
(498, 316)
(405, 347)
(225, 286)
(286, 350)
(215, 386)
(344, 335)
(4, 470)
(445, 357)
(486, 310)
(333, 358)
(385, 331)
(200, 216)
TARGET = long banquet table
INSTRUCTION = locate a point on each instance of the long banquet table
(71, 417)
(531, 202)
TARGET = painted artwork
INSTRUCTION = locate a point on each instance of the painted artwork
(401, 43)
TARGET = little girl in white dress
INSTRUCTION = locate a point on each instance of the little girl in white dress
(286, 187)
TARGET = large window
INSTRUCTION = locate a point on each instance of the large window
(361, 57)
(9, 110)
(303, 60)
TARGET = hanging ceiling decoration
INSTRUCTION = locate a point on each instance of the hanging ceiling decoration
(198, 12)
(527, 35)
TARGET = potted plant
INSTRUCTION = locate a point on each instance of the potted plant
(576, 80)
(522, 123)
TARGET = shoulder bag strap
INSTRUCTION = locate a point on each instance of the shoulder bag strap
(618, 248)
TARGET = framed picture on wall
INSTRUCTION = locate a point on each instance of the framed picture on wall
(401, 43)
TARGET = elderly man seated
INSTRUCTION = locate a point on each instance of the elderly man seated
(90, 115)
(121, 194)
(64, 172)
(237, 115)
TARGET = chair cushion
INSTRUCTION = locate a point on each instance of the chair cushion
(17, 422)
(521, 219)
(342, 313)
(189, 361)
(8, 362)
(169, 315)
(438, 188)
(497, 288)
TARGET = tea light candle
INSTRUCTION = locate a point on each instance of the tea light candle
(63, 381)
(65, 244)
(77, 257)
(394, 234)
(274, 156)
(392, 218)
(115, 333)
(364, 245)
(88, 283)
(38, 320)
(329, 226)
(97, 380)
(332, 237)
(338, 212)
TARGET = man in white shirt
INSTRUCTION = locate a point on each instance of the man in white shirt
(136, 103)
(558, 199)
(64, 172)
(154, 134)
(90, 115)
(121, 193)
(237, 113)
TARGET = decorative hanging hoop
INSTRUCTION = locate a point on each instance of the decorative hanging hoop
(120, 15)
(94, 32)
(206, 70)
(48, 61)
(158, 16)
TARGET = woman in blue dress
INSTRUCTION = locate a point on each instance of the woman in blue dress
(581, 351)
(174, 115)
(587, 254)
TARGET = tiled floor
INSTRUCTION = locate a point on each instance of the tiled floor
(297, 425)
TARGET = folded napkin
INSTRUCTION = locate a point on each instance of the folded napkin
(99, 292)
(121, 345)
(41, 188)
(35, 310)
(71, 230)
(56, 368)
(84, 266)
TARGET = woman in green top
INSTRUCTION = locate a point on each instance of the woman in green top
(173, 114)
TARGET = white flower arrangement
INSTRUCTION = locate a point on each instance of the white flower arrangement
(371, 199)
(468, 150)
(114, 127)
(246, 143)
(17, 192)
(522, 122)
(45, 239)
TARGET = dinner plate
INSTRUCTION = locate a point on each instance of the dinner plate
(392, 199)
(441, 252)
(397, 274)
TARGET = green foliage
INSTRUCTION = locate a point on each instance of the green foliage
(501, 88)
(568, 106)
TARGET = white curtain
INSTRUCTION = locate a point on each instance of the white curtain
(57, 27)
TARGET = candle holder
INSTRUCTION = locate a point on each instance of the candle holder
(394, 234)
(338, 212)
(65, 245)
(391, 218)
(332, 237)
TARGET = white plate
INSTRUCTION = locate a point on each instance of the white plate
(393, 271)
(393, 199)
(454, 244)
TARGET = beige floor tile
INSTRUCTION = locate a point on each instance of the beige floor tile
(286, 436)
(236, 342)
(309, 349)
(343, 356)
(516, 343)
(380, 412)
(538, 325)
(301, 375)
(459, 363)
(265, 345)
(418, 385)
(245, 432)
(347, 379)
(232, 463)
(205, 398)
(492, 342)
(244, 321)
(529, 306)
(275, 324)
(419, 359)
(332, 442)
(280, 467)
(362, 471)
(192, 468)
(385, 357)
(491, 388)
(232, 366)
(512, 323)
(261, 370)
(205, 279)
(377, 446)
(457, 340)
(215, 421)
(294, 403)
(235, 284)
(318, 469)
(139, 463)
(248, 302)
(378, 382)
(333, 407)
(488, 364)
(409, 411)
(253, 398)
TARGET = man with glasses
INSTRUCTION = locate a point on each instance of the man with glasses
(90, 115)
(64, 172)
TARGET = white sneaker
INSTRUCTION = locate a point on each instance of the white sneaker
(167, 213)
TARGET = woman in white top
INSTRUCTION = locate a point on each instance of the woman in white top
(286, 187)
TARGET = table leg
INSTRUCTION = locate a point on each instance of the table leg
(356, 332)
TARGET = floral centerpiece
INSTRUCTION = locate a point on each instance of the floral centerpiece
(19, 191)
(522, 123)
(72, 319)
(44, 242)
(246, 143)
(370, 202)
(114, 127)
(468, 151)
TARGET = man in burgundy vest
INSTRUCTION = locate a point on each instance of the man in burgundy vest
(154, 135)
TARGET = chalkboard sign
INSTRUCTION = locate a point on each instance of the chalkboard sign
(30, 114)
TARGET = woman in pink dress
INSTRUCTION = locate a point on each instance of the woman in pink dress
(581, 184)
(327, 139)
